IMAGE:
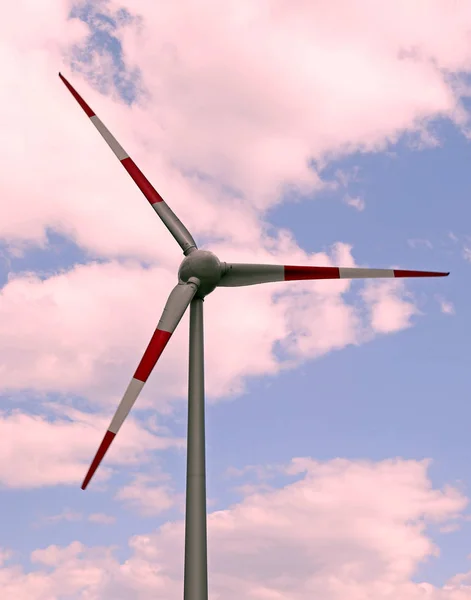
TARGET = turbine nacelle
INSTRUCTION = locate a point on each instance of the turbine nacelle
(206, 267)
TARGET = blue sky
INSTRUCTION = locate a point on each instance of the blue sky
(401, 395)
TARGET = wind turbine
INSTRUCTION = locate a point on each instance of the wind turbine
(199, 274)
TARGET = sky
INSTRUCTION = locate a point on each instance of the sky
(284, 132)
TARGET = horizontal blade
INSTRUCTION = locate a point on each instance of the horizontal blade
(238, 274)
(177, 303)
(170, 220)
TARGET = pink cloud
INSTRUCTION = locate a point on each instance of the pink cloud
(355, 202)
(284, 86)
(83, 331)
(391, 306)
(250, 116)
(70, 515)
(355, 527)
(101, 518)
(291, 82)
(446, 306)
(149, 495)
(247, 97)
(37, 451)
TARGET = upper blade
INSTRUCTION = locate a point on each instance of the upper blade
(177, 303)
(238, 274)
(170, 220)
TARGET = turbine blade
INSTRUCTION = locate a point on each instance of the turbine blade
(170, 220)
(238, 274)
(177, 303)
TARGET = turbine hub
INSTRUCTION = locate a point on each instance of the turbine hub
(204, 265)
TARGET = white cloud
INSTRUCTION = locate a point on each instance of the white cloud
(38, 451)
(246, 98)
(148, 495)
(285, 100)
(101, 518)
(84, 331)
(71, 516)
(453, 237)
(420, 243)
(65, 515)
(446, 306)
(252, 114)
(355, 528)
(248, 120)
(391, 308)
(355, 202)
(347, 176)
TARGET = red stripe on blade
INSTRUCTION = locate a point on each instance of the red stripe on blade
(297, 273)
(152, 354)
(105, 444)
(89, 112)
(143, 183)
(402, 273)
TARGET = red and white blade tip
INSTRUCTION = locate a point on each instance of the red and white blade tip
(152, 195)
(152, 354)
(105, 444)
(403, 273)
(292, 273)
(89, 112)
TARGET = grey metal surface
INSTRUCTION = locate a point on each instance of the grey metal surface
(177, 303)
(196, 563)
(109, 138)
(205, 266)
(238, 274)
(175, 226)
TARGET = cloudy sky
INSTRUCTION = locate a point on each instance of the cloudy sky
(280, 131)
